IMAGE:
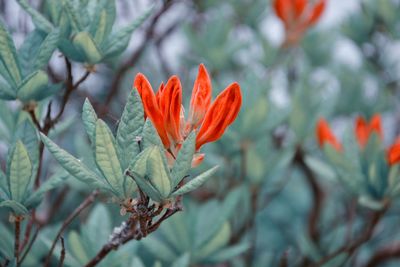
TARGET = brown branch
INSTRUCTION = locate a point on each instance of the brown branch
(115, 84)
(317, 194)
(28, 248)
(17, 236)
(62, 254)
(89, 200)
(350, 248)
(385, 254)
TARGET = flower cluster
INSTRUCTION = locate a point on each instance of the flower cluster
(297, 16)
(362, 130)
(210, 119)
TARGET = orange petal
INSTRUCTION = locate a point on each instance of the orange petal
(151, 107)
(325, 135)
(375, 125)
(317, 12)
(220, 115)
(158, 94)
(299, 7)
(170, 106)
(283, 9)
(201, 97)
(361, 131)
(393, 154)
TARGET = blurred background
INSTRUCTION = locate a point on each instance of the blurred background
(259, 207)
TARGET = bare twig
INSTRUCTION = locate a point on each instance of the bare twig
(115, 84)
(89, 200)
(62, 254)
(350, 248)
(385, 254)
(16, 237)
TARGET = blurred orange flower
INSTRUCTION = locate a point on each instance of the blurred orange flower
(297, 16)
(363, 129)
(325, 135)
(362, 132)
(165, 110)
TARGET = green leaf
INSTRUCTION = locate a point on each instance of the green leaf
(182, 261)
(159, 248)
(130, 129)
(26, 132)
(8, 55)
(137, 262)
(6, 92)
(20, 172)
(53, 182)
(107, 158)
(77, 249)
(138, 168)
(38, 19)
(4, 191)
(118, 41)
(229, 253)
(73, 165)
(7, 242)
(89, 118)
(150, 136)
(215, 243)
(157, 172)
(183, 161)
(74, 17)
(29, 49)
(46, 49)
(17, 207)
(98, 227)
(195, 182)
(32, 85)
(103, 18)
(86, 46)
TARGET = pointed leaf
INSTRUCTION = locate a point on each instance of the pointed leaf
(130, 128)
(89, 118)
(7, 242)
(20, 172)
(46, 49)
(38, 19)
(28, 50)
(17, 207)
(8, 55)
(118, 41)
(32, 85)
(195, 182)
(183, 161)
(107, 158)
(73, 165)
(150, 136)
(6, 92)
(53, 182)
(157, 172)
(84, 43)
(4, 191)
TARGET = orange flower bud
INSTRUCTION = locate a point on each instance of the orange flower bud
(151, 107)
(220, 115)
(201, 98)
(393, 154)
(325, 135)
(170, 106)
(363, 130)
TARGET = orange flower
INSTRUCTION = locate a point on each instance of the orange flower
(393, 153)
(165, 110)
(297, 16)
(325, 135)
(363, 130)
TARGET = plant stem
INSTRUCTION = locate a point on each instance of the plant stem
(17, 235)
(89, 200)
